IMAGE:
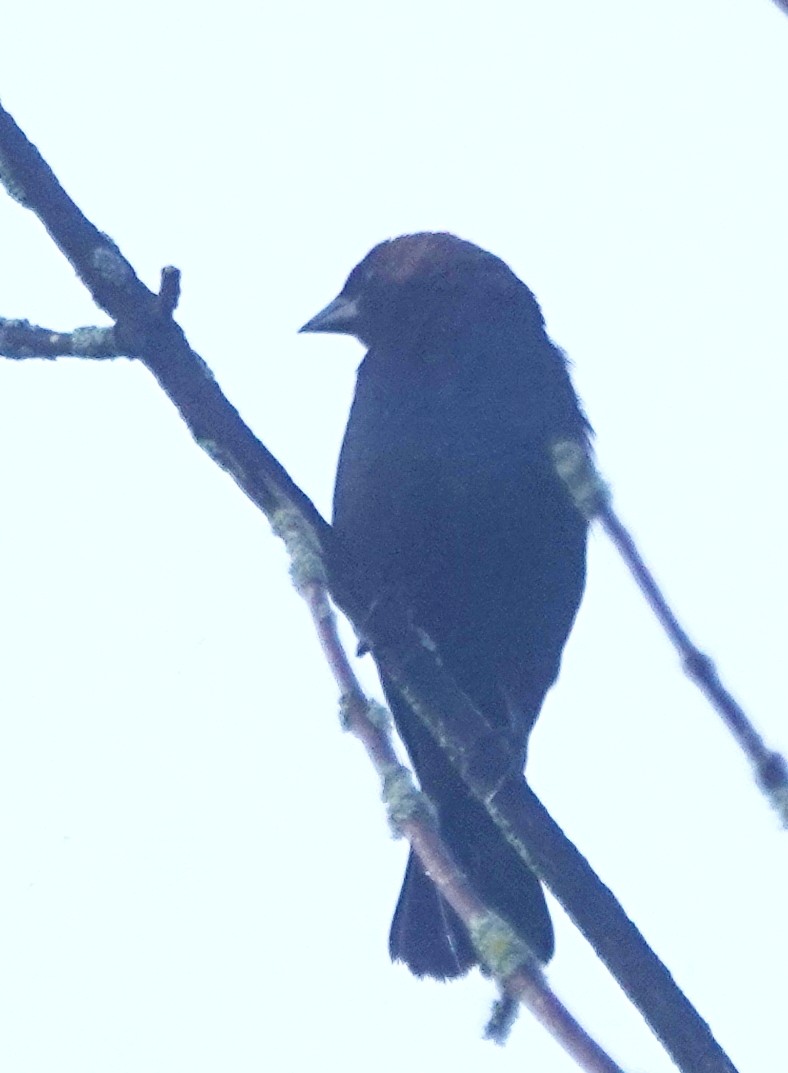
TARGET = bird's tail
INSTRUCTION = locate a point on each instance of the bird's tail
(428, 935)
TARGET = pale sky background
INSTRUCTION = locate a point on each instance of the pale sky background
(197, 873)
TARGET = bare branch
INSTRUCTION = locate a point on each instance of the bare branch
(147, 331)
(501, 951)
(592, 497)
(19, 340)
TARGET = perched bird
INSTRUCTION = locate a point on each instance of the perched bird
(446, 497)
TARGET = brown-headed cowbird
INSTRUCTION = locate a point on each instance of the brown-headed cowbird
(446, 498)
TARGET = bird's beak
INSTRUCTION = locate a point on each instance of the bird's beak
(340, 316)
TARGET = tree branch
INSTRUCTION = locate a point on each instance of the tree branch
(592, 497)
(19, 340)
(411, 815)
(145, 328)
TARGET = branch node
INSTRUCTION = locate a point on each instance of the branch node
(355, 709)
(93, 342)
(500, 948)
(771, 773)
(306, 557)
(402, 799)
(573, 464)
(698, 666)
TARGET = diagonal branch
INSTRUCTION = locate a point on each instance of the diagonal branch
(592, 497)
(500, 949)
(145, 328)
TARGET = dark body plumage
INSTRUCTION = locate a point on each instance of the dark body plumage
(446, 497)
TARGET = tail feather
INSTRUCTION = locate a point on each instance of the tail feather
(426, 933)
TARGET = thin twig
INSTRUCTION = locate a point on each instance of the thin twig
(593, 498)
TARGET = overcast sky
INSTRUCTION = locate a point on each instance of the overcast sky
(197, 872)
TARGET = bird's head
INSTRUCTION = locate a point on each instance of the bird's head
(421, 287)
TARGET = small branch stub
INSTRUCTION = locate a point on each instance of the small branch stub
(502, 1018)
(169, 290)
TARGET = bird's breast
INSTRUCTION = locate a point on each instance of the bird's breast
(429, 482)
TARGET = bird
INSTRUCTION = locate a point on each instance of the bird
(447, 500)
